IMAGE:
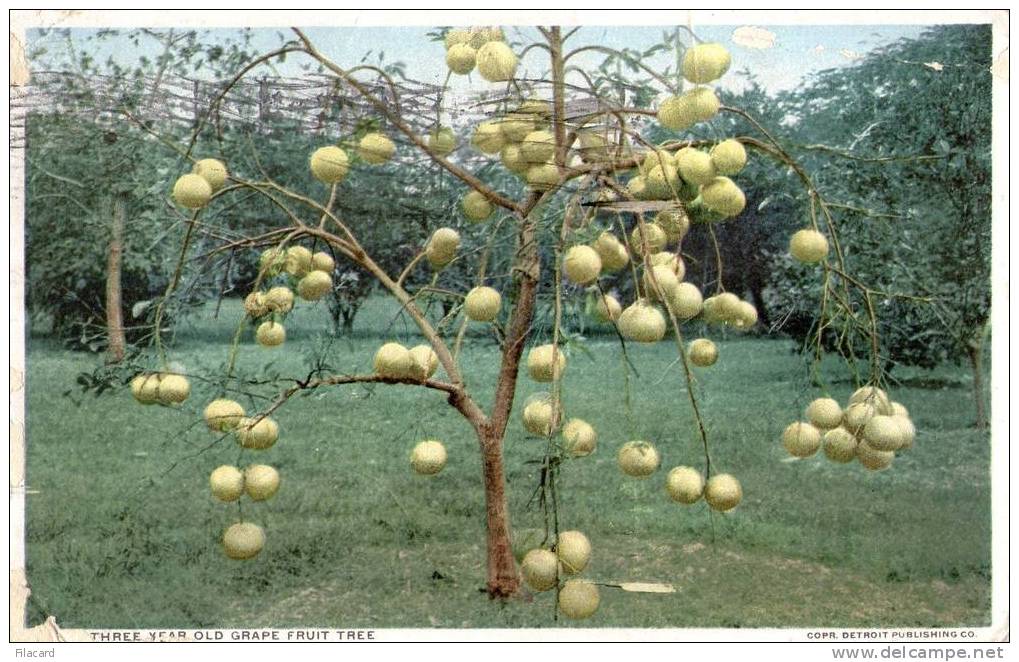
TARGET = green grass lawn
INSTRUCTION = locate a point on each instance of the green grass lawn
(122, 531)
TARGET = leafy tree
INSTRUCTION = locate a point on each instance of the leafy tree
(97, 211)
(79, 184)
(905, 134)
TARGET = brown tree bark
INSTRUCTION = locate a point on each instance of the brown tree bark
(527, 268)
(975, 350)
(114, 314)
(502, 577)
(503, 580)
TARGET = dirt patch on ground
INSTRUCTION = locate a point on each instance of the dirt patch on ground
(716, 587)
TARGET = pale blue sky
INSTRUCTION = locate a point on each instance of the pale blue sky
(798, 50)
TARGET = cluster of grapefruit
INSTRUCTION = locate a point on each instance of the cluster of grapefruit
(871, 429)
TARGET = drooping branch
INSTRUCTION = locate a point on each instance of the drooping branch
(846, 154)
(465, 403)
(389, 81)
(688, 378)
(37, 167)
(479, 281)
(246, 242)
(226, 88)
(776, 150)
(171, 286)
(555, 46)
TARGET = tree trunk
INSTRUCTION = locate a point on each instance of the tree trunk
(503, 580)
(975, 350)
(762, 311)
(114, 313)
(348, 320)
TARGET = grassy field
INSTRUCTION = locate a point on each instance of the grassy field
(122, 531)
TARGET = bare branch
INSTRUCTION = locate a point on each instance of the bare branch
(669, 85)
(469, 179)
(872, 159)
(233, 81)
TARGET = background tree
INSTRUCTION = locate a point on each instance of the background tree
(906, 135)
(89, 174)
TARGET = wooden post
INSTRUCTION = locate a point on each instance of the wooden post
(196, 104)
(117, 343)
(263, 103)
(975, 351)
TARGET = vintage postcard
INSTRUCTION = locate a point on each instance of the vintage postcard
(641, 325)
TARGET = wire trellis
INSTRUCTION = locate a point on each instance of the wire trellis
(312, 103)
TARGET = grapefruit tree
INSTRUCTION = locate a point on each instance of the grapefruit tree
(565, 161)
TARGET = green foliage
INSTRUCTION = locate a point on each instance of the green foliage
(84, 156)
(918, 219)
(75, 172)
